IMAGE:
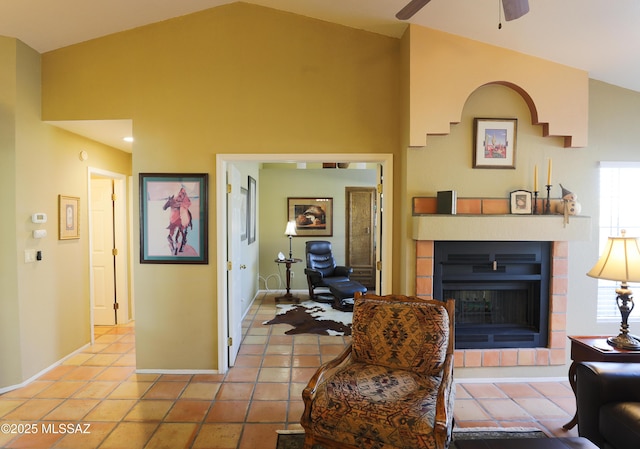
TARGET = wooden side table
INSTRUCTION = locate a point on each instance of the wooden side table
(288, 296)
(594, 349)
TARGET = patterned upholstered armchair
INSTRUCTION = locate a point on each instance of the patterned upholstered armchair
(393, 386)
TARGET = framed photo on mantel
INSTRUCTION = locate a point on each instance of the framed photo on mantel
(494, 144)
(521, 202)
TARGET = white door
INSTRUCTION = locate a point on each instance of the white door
(102, 259)
(234, 276)
(122, 254)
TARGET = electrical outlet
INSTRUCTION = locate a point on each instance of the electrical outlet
(29, 255)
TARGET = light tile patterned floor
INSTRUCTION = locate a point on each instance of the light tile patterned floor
(240, 410)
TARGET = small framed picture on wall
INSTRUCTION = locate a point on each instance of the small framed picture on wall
(313, 216)
(69, 214)
(252, 205)
(494, 144)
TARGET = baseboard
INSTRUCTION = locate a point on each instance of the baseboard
(44, 371)
(493, 380)
(177, 371)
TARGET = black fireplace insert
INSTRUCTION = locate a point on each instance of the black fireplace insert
(501, 291)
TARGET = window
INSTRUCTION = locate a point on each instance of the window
(619, 209)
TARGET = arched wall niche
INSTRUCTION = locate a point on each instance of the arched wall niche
(442, 70)
(525, 96)
(533, 110)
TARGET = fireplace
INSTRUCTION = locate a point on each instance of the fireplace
(501, 291)
(488, 219)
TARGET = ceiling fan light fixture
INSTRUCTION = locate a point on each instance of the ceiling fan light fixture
(411, 8)
(514, 9)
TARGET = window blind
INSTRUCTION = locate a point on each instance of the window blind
(619, 209)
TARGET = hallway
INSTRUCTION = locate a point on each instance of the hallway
(239, 410)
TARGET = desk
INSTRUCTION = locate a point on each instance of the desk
(288, 296)
(594, 349)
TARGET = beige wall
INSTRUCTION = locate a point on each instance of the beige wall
(245, 79)
(442, 76)
(45, 304)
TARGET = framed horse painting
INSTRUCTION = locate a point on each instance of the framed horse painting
(173, 218)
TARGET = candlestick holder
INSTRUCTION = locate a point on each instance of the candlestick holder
(535, 202)
(547, 204)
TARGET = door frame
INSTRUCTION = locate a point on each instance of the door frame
(234, 246)
(120, 218)
(385, 160)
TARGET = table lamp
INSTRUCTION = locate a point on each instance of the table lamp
(620, 261)
(290, 231)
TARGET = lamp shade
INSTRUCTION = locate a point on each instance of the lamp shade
(620, 261)
(291, 228)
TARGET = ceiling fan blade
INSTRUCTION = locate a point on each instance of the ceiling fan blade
(412, 7)
(514, 9)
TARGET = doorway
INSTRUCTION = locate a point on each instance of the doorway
(108, 249)
(360, 234)
(384, 228)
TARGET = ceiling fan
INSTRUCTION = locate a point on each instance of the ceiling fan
(513, 9)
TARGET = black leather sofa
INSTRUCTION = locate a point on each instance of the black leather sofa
(608, 399)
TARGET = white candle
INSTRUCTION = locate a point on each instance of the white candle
(535, 178)
(549, 173)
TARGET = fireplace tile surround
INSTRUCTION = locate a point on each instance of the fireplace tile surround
(555, 352)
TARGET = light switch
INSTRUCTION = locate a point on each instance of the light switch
(29, 255)
(39, 233)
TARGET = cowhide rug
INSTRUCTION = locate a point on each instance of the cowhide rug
(310, 317)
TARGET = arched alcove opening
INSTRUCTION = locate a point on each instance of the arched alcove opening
(442, 69)
(525, 96)
(446, 162)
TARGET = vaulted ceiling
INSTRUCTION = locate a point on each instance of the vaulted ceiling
(601, 37)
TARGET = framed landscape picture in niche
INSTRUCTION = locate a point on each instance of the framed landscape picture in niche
(313, 216)
(494, 144)
(173, 218)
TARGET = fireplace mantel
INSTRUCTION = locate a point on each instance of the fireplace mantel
(501, 227)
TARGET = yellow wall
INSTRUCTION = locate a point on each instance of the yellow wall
(45, 305)
(245, 79)
(10, 363)
(234, 79)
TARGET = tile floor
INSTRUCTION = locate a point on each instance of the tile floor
(98, 391)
